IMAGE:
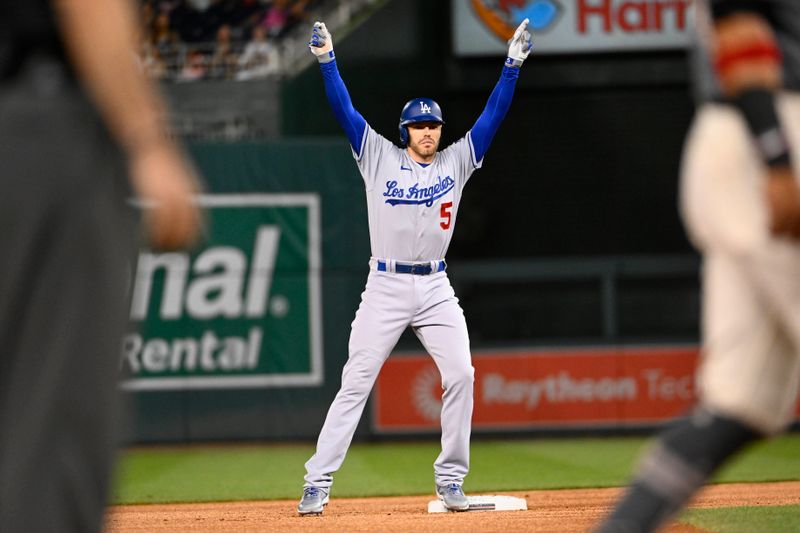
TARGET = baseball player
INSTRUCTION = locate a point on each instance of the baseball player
(741, 205)
(413, 194)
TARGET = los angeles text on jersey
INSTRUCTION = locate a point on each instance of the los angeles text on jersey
(632, 16)
(415, 194)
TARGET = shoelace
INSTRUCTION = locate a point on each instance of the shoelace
(454, 488)
(310, 492)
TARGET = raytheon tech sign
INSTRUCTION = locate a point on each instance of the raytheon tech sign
(482, 27)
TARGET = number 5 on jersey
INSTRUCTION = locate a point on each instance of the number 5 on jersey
(446, 215)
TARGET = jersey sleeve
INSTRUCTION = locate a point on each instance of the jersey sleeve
(374, 150)
(461, 156)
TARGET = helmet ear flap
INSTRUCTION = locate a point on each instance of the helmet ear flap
(403, 135)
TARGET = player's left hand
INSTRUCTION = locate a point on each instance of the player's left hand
(519, 46)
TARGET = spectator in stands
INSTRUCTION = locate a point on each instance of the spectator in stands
(215, 30)
(194, 69)
(161, 34)
(283, 15)
(224, 59)
(276, 17)
(164, 41)
(259, 59)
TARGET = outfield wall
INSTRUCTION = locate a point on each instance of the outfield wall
(245, 337)
(611, 388)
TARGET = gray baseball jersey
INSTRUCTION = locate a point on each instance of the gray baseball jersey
(412, 208)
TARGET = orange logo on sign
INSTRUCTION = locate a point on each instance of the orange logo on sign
(503, 16)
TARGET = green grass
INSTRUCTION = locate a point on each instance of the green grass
(224, 473)
(778, 519)
(774, 460)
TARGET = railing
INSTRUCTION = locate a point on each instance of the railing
(189, 62)
(582, 300)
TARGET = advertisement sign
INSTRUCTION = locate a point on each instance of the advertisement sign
(483, 27)
(242, 310)
(599, 387)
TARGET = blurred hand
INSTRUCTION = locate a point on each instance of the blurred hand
(321, 43)
(166, 185)
(783, 200)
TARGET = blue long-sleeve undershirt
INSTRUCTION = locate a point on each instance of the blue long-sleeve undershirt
(499, 102)
(482, 131)
(351, 120)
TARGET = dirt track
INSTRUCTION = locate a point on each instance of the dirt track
(548, 511)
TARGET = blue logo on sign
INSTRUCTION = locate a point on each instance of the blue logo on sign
(542, 13)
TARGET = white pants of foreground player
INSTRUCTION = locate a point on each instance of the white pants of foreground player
(750, 366)
(389, 304)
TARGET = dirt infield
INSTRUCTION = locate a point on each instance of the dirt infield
(548, 511)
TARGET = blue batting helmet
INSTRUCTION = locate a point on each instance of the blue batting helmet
(418, 110)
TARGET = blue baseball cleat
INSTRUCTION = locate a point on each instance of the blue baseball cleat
(452, 497)
(313, 502)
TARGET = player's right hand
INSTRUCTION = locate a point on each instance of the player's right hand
(321, 43)
(166, 186)
(783, 200)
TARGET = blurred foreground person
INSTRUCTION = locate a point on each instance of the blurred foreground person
(79, 128)
(741, 206)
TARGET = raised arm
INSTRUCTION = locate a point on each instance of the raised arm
(499, 102)
(749, 66)
(354, 125)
